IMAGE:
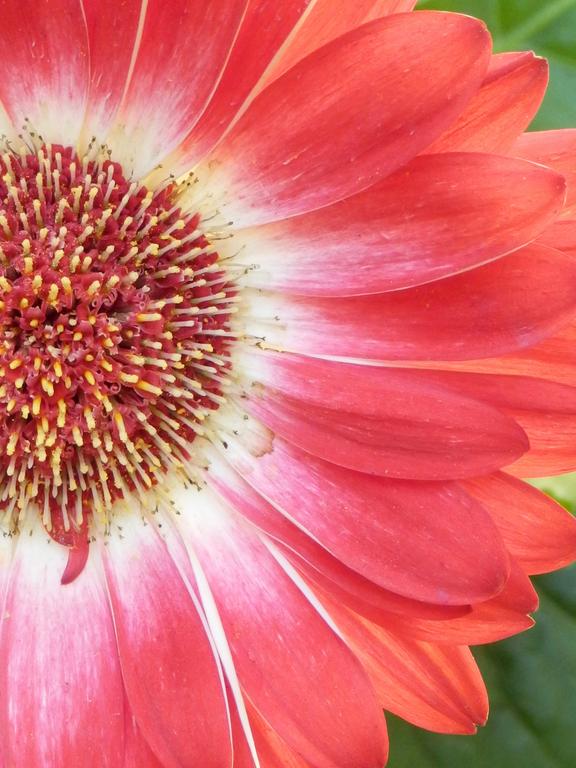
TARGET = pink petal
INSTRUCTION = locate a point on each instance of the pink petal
(270, 167)
(383, 529)
(186, 57)
(137, 752)
(294, 669)
(44, 66)
(539, 533)
(315, 562)
(172, 679)
(268, 23)
(62, 692)
(439, 215)
(471, 315)
(504, 106)
(113, 38)
(437, 687)
(385, 421)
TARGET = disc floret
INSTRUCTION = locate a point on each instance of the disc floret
(115, 313)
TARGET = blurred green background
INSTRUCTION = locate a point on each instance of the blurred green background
(531, 678)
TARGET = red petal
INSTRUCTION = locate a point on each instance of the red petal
(539, 533)
(379, 420)
(112, 36)
(553, 360)
(552, 444)
(504, 106)
(545, 410)
(439, 215)
(271, 167)
(176, 70)
(383, 529)
(273, 752)
(62, 692)
(268, 23)
(44, 66)
(475, 314)
(561, 235)
(294, 669)
(312, 559)
(172, 679)
(243, 757)
(438, 687)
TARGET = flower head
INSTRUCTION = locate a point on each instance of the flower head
(255, 484)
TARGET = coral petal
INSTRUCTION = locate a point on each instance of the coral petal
(539, 533)
(503, 107)
(323, 25)
(501, 617)
(556, 149)
(433, 686)
(395, 234)
(401, 114)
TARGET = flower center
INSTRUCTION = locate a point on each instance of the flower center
(114, 330)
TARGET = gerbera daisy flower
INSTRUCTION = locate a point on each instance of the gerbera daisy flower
(246, 503)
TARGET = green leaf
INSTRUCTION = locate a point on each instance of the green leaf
(562, 488)
(530, 679)
(546, 26)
